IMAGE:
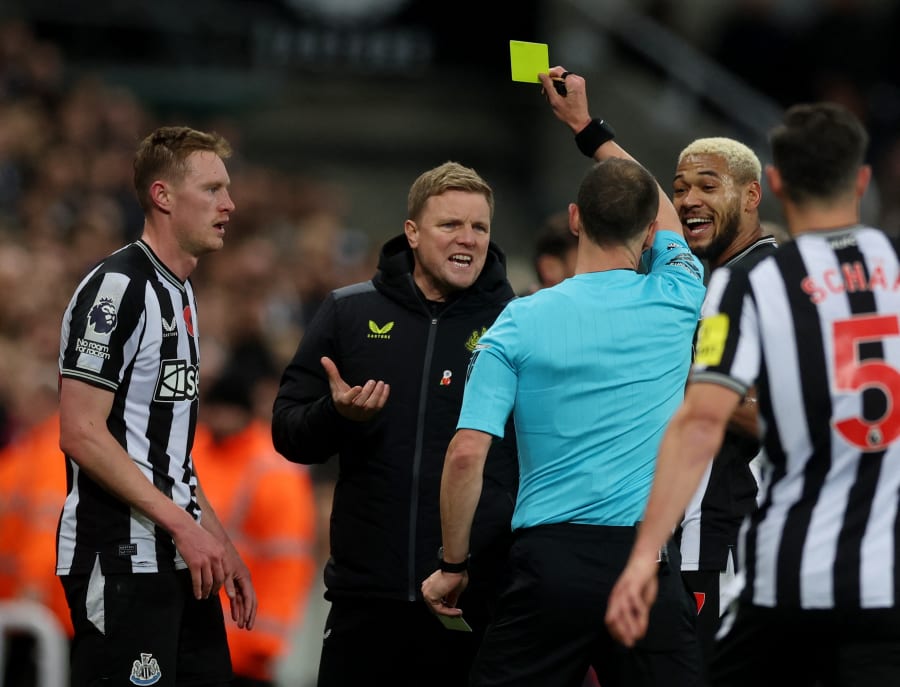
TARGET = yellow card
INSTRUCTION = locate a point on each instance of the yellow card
(527, 60)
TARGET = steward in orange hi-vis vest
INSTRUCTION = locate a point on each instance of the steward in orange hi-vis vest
(268, 507)
(32, 492)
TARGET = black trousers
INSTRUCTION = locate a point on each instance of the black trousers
(392, 643)
(549, 626)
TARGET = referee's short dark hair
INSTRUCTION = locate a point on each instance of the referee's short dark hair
(618, 199)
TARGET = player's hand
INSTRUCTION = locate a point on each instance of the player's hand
(240, 591)
(628, 610)
(357, 403)
(205, 558)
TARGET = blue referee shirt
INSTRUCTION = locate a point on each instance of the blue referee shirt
(592, 369)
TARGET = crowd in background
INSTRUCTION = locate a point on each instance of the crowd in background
(66, 200)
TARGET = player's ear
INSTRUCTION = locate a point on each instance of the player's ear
(753, 196)
(161, 195)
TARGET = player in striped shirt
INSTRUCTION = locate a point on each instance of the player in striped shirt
(140, 552)
(815, 326)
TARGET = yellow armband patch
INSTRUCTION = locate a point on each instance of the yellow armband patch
(711, 339)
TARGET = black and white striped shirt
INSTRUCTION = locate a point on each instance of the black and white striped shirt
(708, 533)
(816, 327)
(131, 328)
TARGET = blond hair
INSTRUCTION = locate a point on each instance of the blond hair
(742, 163)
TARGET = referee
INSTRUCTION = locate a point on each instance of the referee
(815, 327)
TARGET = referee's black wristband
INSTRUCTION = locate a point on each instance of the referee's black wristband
(593, 136)
(444, 566)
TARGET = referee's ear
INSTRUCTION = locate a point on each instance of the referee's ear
(651, 234)
(574, 219)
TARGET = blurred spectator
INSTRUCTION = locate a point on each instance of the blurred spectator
(29, 69)
(265, 503)
(554, 252)
(23, 133)
(32, 491)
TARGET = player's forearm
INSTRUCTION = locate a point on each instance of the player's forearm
(684, 453)
(107, 463)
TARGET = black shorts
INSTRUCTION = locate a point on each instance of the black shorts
(550, 624)
(706, 587)
(145, 629)
(806, 648)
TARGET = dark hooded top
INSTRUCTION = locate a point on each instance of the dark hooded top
(385, 523)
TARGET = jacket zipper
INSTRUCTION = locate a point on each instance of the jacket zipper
(417, 460)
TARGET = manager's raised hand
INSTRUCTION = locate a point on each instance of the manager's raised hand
(357, 403)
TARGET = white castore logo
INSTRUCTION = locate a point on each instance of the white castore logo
(169, 328)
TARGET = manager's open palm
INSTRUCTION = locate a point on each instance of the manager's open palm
(357, 403)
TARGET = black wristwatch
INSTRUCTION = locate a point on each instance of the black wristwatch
(452, 567)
